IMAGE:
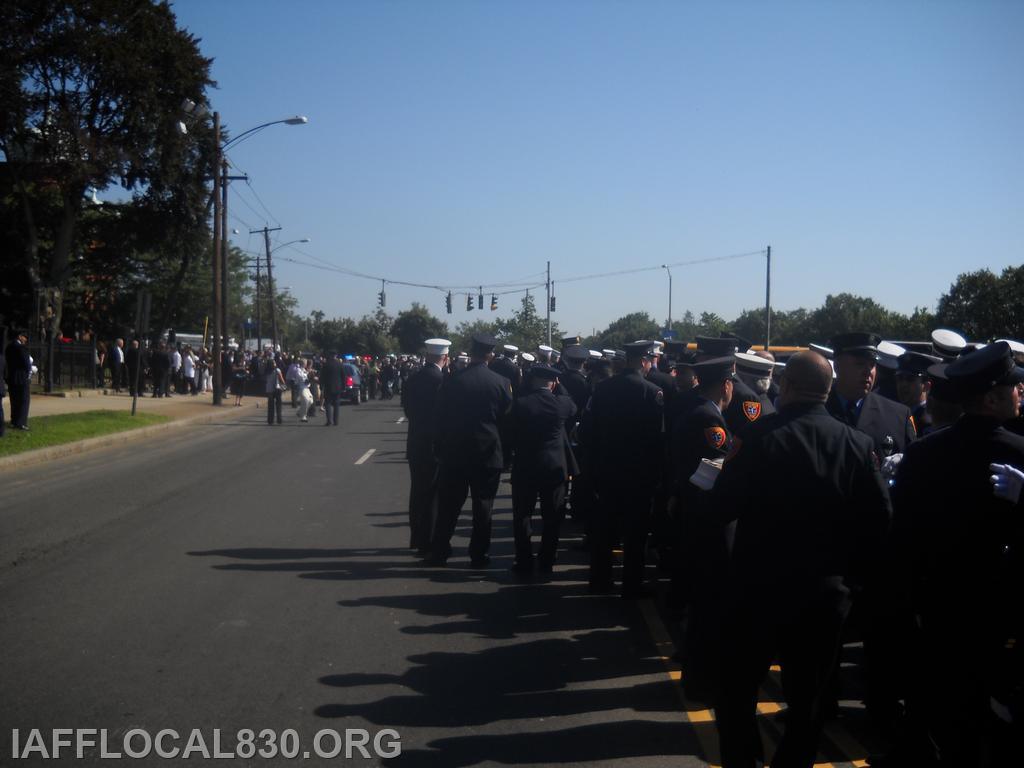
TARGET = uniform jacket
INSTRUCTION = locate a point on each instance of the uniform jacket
(700, 434)
(420, 402)
(963, 545)
(887, 423)
(3, 376)
(473, 402)
(575, 383)
(811, 509)
(19, 367)
(538, 436)
(745, 408)
(505, 367)
(623, 438)
(667, 384)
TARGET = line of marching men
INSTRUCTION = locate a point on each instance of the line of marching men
(857, 492)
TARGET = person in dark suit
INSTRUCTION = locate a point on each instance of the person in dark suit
(958, 535)
(506, 366)
(755, 370)
(131, 361)
(853, 402)
(572, 377)
(913, 386)
(540, 469)
(625, 454)
(115, 360)
(420, 402)
(698, 539)
(332, 382)
(473, 404)
(799, 547)
(19, 378)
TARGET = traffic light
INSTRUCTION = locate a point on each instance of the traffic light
(552, 303)
(494, 301)
(480, 300)
(381, 299)
(448, 302)
(469, 303)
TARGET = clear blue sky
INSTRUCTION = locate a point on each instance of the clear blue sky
(876, 146)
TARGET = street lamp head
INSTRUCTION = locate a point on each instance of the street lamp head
(297, 120)
(305, 240)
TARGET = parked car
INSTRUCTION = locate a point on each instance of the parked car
(352, 383)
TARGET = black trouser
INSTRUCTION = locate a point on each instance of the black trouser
(274, 403)
(3, 426)
(624, 512)
(332, 405)
(131, 382)
(524, 498)
(115, 376)
(422, 497)
(20, 396)
(807, 639)
(454, 482)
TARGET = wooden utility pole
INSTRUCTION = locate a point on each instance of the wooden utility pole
(216, 260)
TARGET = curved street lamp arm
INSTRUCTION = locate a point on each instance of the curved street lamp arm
(297, 120)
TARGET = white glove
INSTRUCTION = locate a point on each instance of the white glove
(1007, 482)
(890, 464)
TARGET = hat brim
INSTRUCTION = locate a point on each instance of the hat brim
(1013, 377)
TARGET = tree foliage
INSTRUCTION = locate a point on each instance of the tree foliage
(90, 96)
(415, 325)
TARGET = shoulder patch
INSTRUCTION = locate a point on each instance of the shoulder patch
(716, 437)
(752, 409)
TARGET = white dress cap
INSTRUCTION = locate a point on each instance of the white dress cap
(437, 346)
(753, 364)
(950, 342)
(527, 357)
(1015, 346)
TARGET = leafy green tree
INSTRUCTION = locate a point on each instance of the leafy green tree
(464, 331)
(526, 329)
(90, 95)
(415, 325)
(631, 327)
(984, 305)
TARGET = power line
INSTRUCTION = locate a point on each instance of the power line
(708, 260)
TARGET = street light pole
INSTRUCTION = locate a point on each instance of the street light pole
(225, 295)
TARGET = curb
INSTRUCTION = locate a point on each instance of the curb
(53, 452)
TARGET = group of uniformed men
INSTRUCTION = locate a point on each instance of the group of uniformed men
(867, 493)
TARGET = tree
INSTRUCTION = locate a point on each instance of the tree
(464, 332)
(631, 327)
(525, 329)
(415, 325)
(985, 306)
(90, 96)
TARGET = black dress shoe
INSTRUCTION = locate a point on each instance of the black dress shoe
(480, 562)
(435, 561)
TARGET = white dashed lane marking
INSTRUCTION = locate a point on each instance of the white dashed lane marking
(365, 456)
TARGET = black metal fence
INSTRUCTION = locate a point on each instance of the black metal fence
(74, 365)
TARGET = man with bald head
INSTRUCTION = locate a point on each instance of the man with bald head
(809, 509)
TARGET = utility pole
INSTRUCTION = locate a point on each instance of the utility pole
(768, 302)
(217, 235)
(259, 308)
(270, 282)
(224, 251)
(548, 283)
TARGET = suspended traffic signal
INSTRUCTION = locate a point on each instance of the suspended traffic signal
(381, 299)
(448, 303)
(469, 303)
(552, 303)
(480, 300)
(494, 301)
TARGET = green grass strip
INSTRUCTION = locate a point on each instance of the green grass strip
(46, 431)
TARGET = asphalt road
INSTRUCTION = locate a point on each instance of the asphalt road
(231, 576)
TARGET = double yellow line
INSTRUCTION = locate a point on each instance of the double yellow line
(692, 714)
